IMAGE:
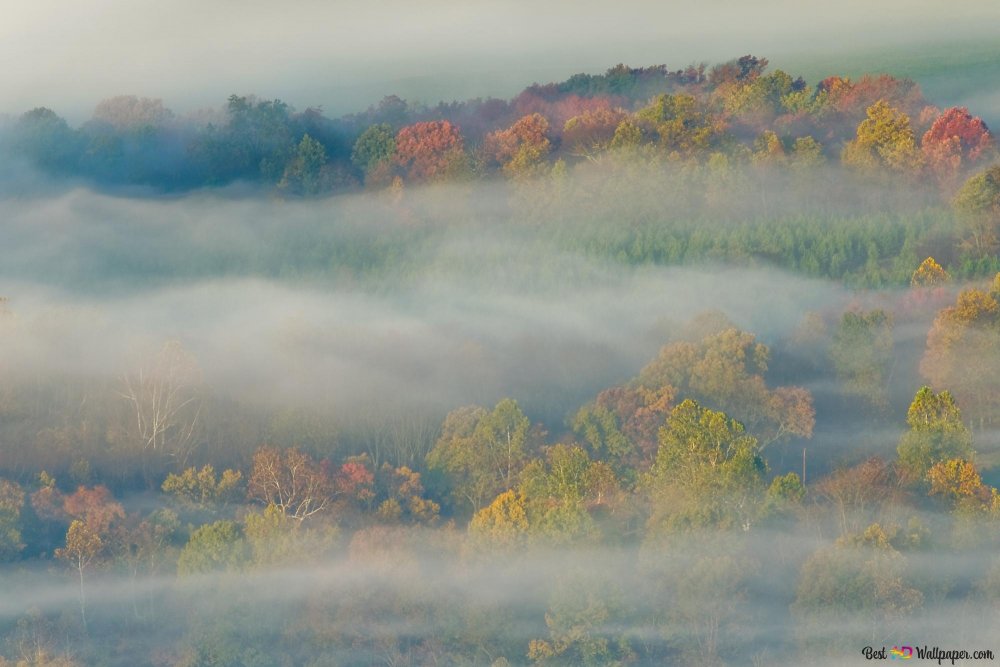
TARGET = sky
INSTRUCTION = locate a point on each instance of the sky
(344, 55)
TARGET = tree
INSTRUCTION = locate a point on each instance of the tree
(143, 546)
(503, 435)
(274, 539)
(936, 434)
(954, 142)
(503, 523)
(807, 153)
(581, 621)
(292, 481)
(428, 150)
(83, 546)
(306, 172)
(862, 355)
(560, 491)
(884, 141)
(628, 137)
(403, 497)
(763, 97)
(131, 112)
(44, 138)
(726, 370)
(202, 489)
(521, 148)
(482, 452)
(622, 424)
(961, 344)
(855, 586)
(784, 495)
(956, 479)
(709, 603)
(164, 402)
(37, 642)
(355, 483)
(456, 455)
(374, 149)
(95, 506)
(742, 70)
(840, 99)
(708, 472)
(11, 504)
(929, 274)
(858, 493)
(259, 138)
(592, 132)
(977, 205)
(680, 123)
(212, 547)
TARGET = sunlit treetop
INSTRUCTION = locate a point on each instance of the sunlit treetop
(930, 274)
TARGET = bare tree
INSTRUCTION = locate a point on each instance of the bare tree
(292, 481)
(165, 399)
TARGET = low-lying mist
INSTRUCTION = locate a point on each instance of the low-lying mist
(407, 596)
(354, 324)
(297, 303)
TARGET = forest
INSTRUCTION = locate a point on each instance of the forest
(692, 366)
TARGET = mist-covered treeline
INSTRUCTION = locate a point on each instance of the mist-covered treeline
(653, 367)
(731, 142)
(734, 111)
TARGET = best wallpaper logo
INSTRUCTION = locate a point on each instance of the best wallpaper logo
(901, 652)
(936, 654)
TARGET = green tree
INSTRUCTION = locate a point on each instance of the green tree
(212, 547)
(977, 205)
(44, 138)
(936, 434)
(11, 504)
(681, 125)
(203, 490)
(560, 491)
(306, 171)
(480, 452)
(708, 472)
(374, 149)
(599, 427)
(784, 495)
(274, 539)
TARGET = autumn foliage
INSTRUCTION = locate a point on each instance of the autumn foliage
(428, 150)
(956, 141)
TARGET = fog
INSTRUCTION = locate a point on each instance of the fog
(360, 305)
(345, 55)
(406, 596)
(473, 313)
(344, 324)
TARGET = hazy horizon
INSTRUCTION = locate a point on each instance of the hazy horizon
(345, 56)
